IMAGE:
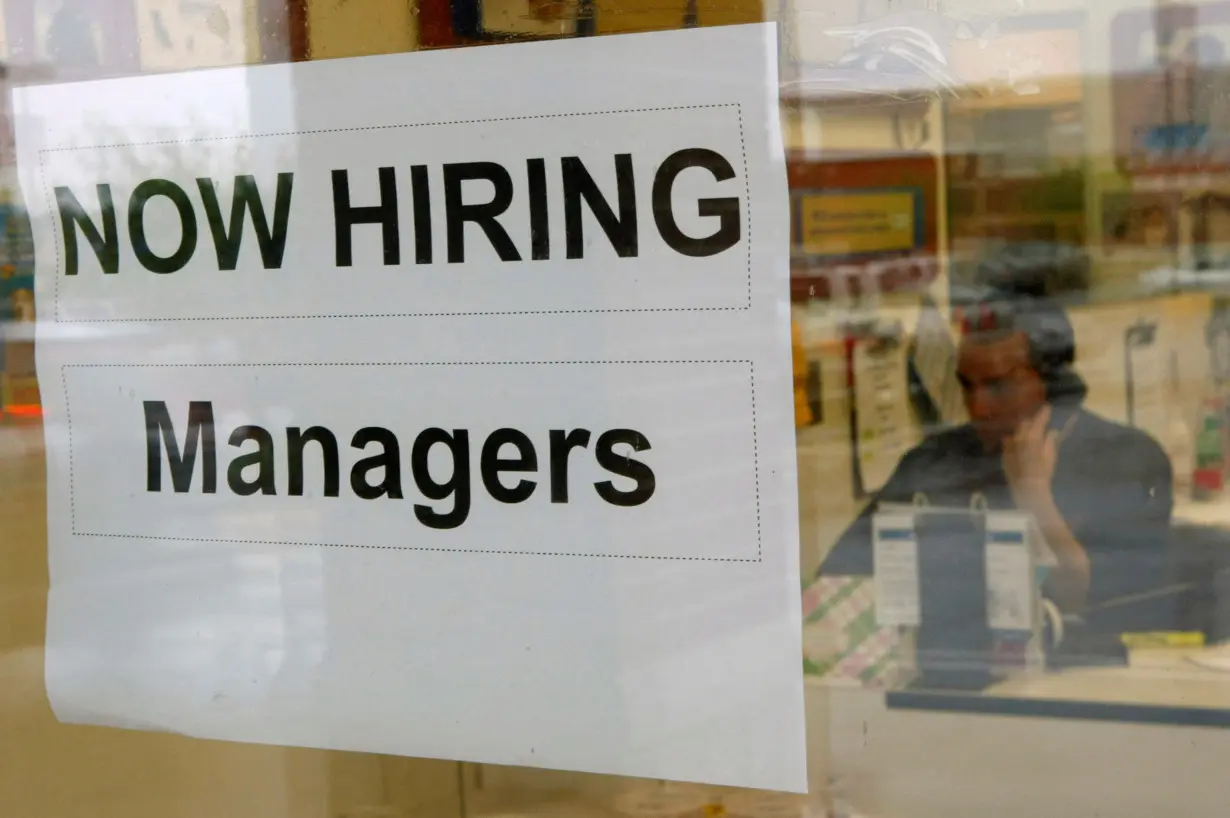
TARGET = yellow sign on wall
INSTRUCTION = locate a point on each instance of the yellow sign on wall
(856, 223)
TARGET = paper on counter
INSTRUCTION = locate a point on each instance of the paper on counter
(896, 571)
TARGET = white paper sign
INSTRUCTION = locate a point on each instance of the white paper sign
(880, 378)
(895, 551)
(1012, 585)
(433, 404)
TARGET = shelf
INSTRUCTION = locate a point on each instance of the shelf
(1073, 217)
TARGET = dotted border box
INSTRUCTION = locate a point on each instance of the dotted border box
(747, 207)
(751, 370)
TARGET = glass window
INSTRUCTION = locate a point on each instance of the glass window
(1007, 228)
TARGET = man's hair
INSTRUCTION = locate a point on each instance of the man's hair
(1047, 330)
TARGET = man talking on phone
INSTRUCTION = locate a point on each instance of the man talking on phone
(1101, 492)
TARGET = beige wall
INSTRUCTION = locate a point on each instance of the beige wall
(223, 35)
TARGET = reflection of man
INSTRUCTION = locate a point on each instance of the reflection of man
(1099, 491)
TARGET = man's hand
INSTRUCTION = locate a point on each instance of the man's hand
(1029, 460)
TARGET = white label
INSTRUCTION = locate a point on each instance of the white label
(898, 601)
(1012, 590)
(478, 444)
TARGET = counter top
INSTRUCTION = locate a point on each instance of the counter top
(1158, 687)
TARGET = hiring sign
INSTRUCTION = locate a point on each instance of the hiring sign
(394, 405)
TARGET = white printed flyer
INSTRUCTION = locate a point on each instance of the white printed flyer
(431, 404)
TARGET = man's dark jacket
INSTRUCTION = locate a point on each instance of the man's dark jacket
(1112, 485)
